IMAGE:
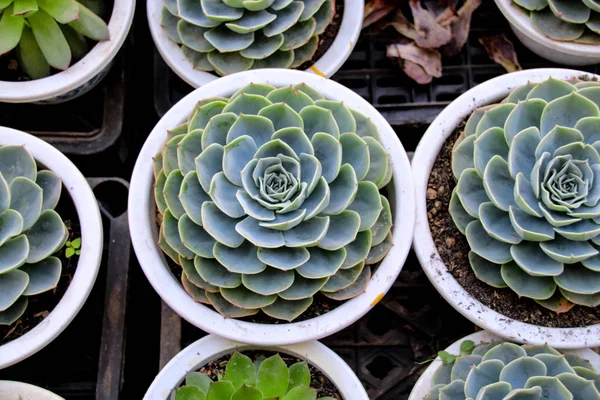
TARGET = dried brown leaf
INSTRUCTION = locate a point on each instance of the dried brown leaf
(376, 10)
(419, 64)
(460, 28)
(431, 34)
(403, 26)
(501, 50)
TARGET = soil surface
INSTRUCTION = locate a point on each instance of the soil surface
(42, 304)
(318, 380)
(327, 37)
(454, 249)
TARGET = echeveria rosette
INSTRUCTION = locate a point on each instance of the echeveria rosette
(528, 193)
(30, 231)
(506, 371)
(272, 196)
(228, 36)
(575, 21)
(244, 379)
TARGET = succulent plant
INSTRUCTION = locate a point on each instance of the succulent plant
(528, 192)
(48, 33)
(566, 21)
(244, 379)
(272, 196)
(236, 35)
(30, 231)
(506, 371)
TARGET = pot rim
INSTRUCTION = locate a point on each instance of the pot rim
(144, 232)
(31, 392)
(427, 151)
(423, 385)
(523, 24)
(94, 62)
(91, 248)
(326, 66)
(212, 347)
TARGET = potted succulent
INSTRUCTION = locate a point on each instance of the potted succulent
(565, 32)
(506, 220)
(55, 51)
(11, 390)
(203, 40)
(271, 203)
(43, 284)
(482, 366)
(214, 365)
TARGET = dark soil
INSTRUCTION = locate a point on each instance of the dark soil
(318, 380)
(454, 249)
(321, 304)
(327, 37)
(42, 304)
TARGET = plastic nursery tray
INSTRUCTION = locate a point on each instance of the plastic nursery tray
(86, 360)
(85, 125)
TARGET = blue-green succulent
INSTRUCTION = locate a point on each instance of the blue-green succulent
(271, 196)
(30, 231)
(506, 371)
(528, 192)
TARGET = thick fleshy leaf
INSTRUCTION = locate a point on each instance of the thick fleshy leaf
(358, 287)
(11, 27)
(208, 164)
(169, 158)
(192, 275)
(463, 365)
(453, 391)
(11, 224)
(279, 59)
(458, 213)
(550, 89)
(324, 16)
(270, 281)
(15, 161)
(241, 260)
(274, 148)
(14, 283)
(90, 25)
(214, 273)
(520, 93)
(525, 197)
(192, 196)
(343, 229)
(328, 151)
(358, 250)
(497, 224)
(50, 39)
(288, 310)
(196, 293)
(195, 238)
(534, 287)
(171, 234)
(305, 53)
(486, 246)
(555, 364)
(227, 309)
(343, 190)
(51, 188)
(286, 18)
(171, 193)
(14, 312)
(190, 11)
(257, 5)
(367, 204)
(259, 128)
(567, 251)
(578, 279)
(377, 253)
(498, 183)
(522, 152)
(319, 119)
(518, 371)
(311, 171)
(285, 222)
(486, 271)
(529, 227)
(494, 117)
(247, 299)
(217, 128)
(220, 226)
(303, 288)
(378, 162)
(530, 257)
(193, 36)
(341, 114)
(200, 117)
(236, 156)
(484, 374)
(487, 145)
(557, 138)
(169, 22)
(253, 208)
(26, 199)
(539, 169)
(283, 258)
(356, 153)
(216, 10)
(188, 149)
(229, 63)
(322, 263)
(462, 155)
(343, 278)
(31, 58)
(579, 387)
(166, 248)
(471, 192)
(251, 21)
(46, 236)
(383, 224)
(525, 115)
(250, 229)
(13, 253)
(296, 99)
(567, 111)
(588, 300)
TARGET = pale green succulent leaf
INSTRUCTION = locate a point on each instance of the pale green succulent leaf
(530, 257)
(358, 287)
(191, 12)
(494, 117)
(192, 275)
(498, 183)
(89, 25)
(328, 151)
(46, 236)
(250, 229)
(319, 120)
(588, 300)
(251, 22)
(521, 92)
(192, 196)
(525, 199)
(237, 154)
(458, 213)
(247, 393)
(442, 375)
(11, 224)
(378, 162)
(463, 365)
(358, 250)
(263, 46)
(529, 227)
(257, 127)
(166, 248)
(486, 271)
(193, 36)
(367, 203)
(217, 128)
(229, 63)
(169, 158)
(550, 89)
(30, 56)
(242, 259)
(303, 288)
(227, 309)
(285, 222)
(343, 229)
(294, 98)
(343, 278)
(26, 199)
(195, 238)
(171, 234)
(312, 170)
(51, 188)
(14, 283)
(247, 299)
(462, 155)
(579, 387)
(216, 10)
(220, 390)
(270, 281)
(15, 162)
(532, 4)
(567, 251)
(284, 120)
(220, 226)
(534, 287)
(208, 164)
(355, 152)
(497, 224)
(579, 279)
(487, 145)
(324, 16)
(11, 29)
(279, 59)
(63, 11)
(211, 271)
(485, 246)
(286, 18)
(257, 5)
(301, 393)
(521, 155)
(453, 391)
(383, 224)
(342, 115)
(343, 190)
(283, 258)
(288, 310)
(592, 93)
(14, 312)
(199, 60)
(171, 193)
(195, 292)
(574, 12)
(188, 149)
(482, 375)
(555, 364)
(253, 208)
(306, 52)
(566, 112)
(43, 276)
(471, 192)
(322, 263)
(377, 253)
(318, 200)
(205, 112)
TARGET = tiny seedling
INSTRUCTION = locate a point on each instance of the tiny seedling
(73, 247)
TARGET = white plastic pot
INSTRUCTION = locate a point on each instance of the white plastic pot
(144, 232)
(91, 248)
(214, 347)
(566, 53)
(11, 390)
(424, 384)
(326, 66)
(80, 77)
(440, 129)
